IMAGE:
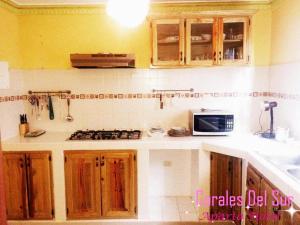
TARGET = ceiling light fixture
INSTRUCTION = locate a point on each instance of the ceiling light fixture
(129, 13)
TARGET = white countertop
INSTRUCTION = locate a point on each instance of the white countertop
(247, 147)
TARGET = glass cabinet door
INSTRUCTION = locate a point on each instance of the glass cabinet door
(233, 38)
(168, 39)
(201, 41)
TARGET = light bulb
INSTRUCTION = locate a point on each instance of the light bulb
(129, 13)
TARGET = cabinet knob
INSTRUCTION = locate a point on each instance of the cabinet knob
(215, 56)
(276, 209)
(220, 55)
(181, 56)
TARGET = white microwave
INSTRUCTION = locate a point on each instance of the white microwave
(211, 122)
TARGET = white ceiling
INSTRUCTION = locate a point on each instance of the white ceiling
(96, 2)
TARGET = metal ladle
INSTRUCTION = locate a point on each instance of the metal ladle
(69, 118)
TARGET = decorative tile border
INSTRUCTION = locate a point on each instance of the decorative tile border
(120, 96)
(13, 98)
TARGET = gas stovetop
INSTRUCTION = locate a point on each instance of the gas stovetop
(105, 135)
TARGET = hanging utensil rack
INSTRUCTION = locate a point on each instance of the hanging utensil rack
(160, 92)
(173, 90)
(50, 93)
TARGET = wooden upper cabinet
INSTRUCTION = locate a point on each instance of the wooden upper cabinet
(118, 184)
(15, 185)
(168, 42)
(233, 41)
(201, 41)
(82, 174)
(39, 173)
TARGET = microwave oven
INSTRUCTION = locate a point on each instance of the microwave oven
(211, 122)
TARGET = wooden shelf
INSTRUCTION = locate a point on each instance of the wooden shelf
(233, 41)
(202, 42)
(168, 42)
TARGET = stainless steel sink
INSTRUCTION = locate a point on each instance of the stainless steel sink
(283, 160)
(294, 172)
(290, 164)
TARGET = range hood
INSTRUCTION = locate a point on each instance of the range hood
(102, 60)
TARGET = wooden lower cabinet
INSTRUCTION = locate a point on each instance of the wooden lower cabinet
(253, 184)
(267, 214)
(15, 186)
(28, 185)
(296, 217)
(82, 174)
(101, 184)
(226, 179)
(118, 172)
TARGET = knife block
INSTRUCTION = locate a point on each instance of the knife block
(23, 129)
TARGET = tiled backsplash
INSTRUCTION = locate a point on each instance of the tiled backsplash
(10, 107)
(123, 98)
(284, 78)
(276, 95)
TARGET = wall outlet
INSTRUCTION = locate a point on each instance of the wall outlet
(167, 163)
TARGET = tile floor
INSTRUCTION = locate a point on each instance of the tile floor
(172, 209)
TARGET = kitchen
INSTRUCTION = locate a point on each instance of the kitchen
(181, 56)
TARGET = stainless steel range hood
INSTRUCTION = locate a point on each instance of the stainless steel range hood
(102, 60)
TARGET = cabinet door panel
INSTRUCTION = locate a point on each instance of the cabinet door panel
(168, 42)
(296, 217)
(39, 173)
(233, 39)
(284, 216)
(253, 185)
(201, 40)
(118, 182)
(220, 179)
(82, 172)
(225, 177)
(268, 209)
(15, 185)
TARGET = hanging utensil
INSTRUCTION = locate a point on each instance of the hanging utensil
(69, 118)
(51, 111)
(32, 99)
(38, 115)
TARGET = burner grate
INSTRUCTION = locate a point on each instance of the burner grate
(105, 135)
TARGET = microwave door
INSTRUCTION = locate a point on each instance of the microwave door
(209, 123)
(208, 126)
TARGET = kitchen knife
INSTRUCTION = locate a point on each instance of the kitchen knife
(51, 111)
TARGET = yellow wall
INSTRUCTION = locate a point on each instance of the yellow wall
(285, 31)
(49, 35)
(9, 36)
(261, 37)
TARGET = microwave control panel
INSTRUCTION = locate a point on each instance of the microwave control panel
(229, 123)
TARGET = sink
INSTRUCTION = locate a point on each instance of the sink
(284, 161)
(290, 164)
(294, 172)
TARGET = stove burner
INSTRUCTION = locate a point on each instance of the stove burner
(105, 135)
